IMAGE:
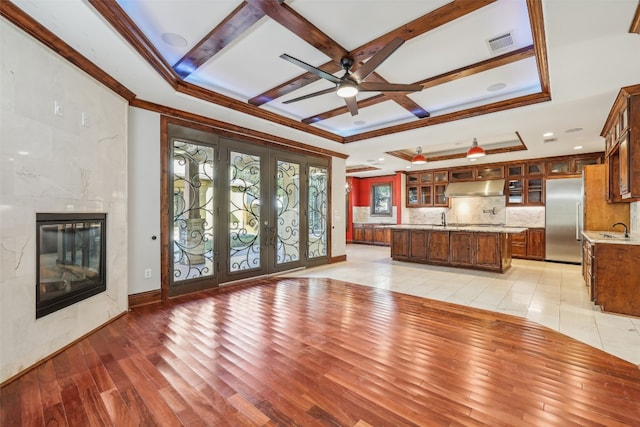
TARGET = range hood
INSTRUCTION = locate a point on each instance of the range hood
(493, 187)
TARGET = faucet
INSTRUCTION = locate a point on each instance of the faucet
(443, 219)
(626, 229)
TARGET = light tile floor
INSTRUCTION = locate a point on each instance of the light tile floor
(550, 294)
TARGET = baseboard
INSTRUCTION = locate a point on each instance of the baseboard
(339, 258)
(144, 298)
(52, 355)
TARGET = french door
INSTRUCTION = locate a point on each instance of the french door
(242, 210)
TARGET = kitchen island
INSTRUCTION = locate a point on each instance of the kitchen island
(481, 247)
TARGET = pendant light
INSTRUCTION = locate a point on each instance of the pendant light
(419, 159)
(475, 151)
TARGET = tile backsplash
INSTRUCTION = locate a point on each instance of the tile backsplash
(634, 227)
(362, 215)
(478, 210)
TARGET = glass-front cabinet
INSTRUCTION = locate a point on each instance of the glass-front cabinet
(425, 189)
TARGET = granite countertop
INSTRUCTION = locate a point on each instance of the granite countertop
(611, 237)
(486, 228)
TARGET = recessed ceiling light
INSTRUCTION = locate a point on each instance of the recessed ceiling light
(381, 159)
(496, 87)
(572, 130)
(173, 39)
(472, 159)
(547, 134)
(407, 167)
(371, 161)
(23, 153)
(359, 122)
(578, 147)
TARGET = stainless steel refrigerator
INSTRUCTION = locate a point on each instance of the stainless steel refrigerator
(563, 220)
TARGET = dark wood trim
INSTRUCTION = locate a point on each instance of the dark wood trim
(111, 11)
(27, 24)
(537, 30)
(144, 298)
(355, 169)
(228, 129)
(284, 15)
(620, 100)
(228, 102)
(339, 258)
(495, 107)
(233, 26)
(165, 186)
(63, 349)
(418, 26)
(635, 22)
(301, 27)
(479, 67)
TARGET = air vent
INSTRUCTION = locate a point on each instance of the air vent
(547, 140)
(500, 43)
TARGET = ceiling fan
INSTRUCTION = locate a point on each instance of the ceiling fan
(350, 84)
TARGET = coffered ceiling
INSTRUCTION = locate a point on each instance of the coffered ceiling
(503, 71)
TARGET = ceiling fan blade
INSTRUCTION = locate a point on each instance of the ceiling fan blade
(388, 87)
(310, 68)
(352, 105)
(377, 59)
(310, 95)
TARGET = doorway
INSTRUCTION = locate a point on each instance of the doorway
(240, 210)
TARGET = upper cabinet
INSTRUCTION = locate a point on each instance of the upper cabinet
(426, 189)
(524, 180)
(622, 143)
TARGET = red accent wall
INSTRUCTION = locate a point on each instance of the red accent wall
(360, 195)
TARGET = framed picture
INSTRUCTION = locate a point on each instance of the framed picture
(381, 199)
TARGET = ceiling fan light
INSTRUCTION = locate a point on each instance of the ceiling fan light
(475, 151)
(419, 159)
(347, 89)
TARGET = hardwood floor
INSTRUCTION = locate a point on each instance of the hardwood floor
(320, 352)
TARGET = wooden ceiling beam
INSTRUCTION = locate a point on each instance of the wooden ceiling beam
(301, 27)
(498, 61)
(236, 23)
(421, 25)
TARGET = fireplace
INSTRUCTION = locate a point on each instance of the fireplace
(70, 259)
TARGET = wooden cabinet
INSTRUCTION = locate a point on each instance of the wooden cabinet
(426, 189)
(438, 247)
(489, 172)
(479, 250)
(418, 245)
(460, 249)
(587, 267)
(613, 276)
(400, 244)
(519, 245)
(486, 249)
(530, 244)
(598, 214)
(461, 174)
(622, 142)
(574, 165)
(372, 234)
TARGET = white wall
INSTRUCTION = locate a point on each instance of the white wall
(144, 200)
(51, 163)
(338, 205)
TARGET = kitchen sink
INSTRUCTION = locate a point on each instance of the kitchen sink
(613, 236)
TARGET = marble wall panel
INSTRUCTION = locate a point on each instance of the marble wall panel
(52, 163)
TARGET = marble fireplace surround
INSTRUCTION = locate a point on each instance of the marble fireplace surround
(52, 163)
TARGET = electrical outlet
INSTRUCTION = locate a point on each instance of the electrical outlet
(147, 273)
(58, 109)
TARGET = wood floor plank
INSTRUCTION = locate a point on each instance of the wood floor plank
(319, 352)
